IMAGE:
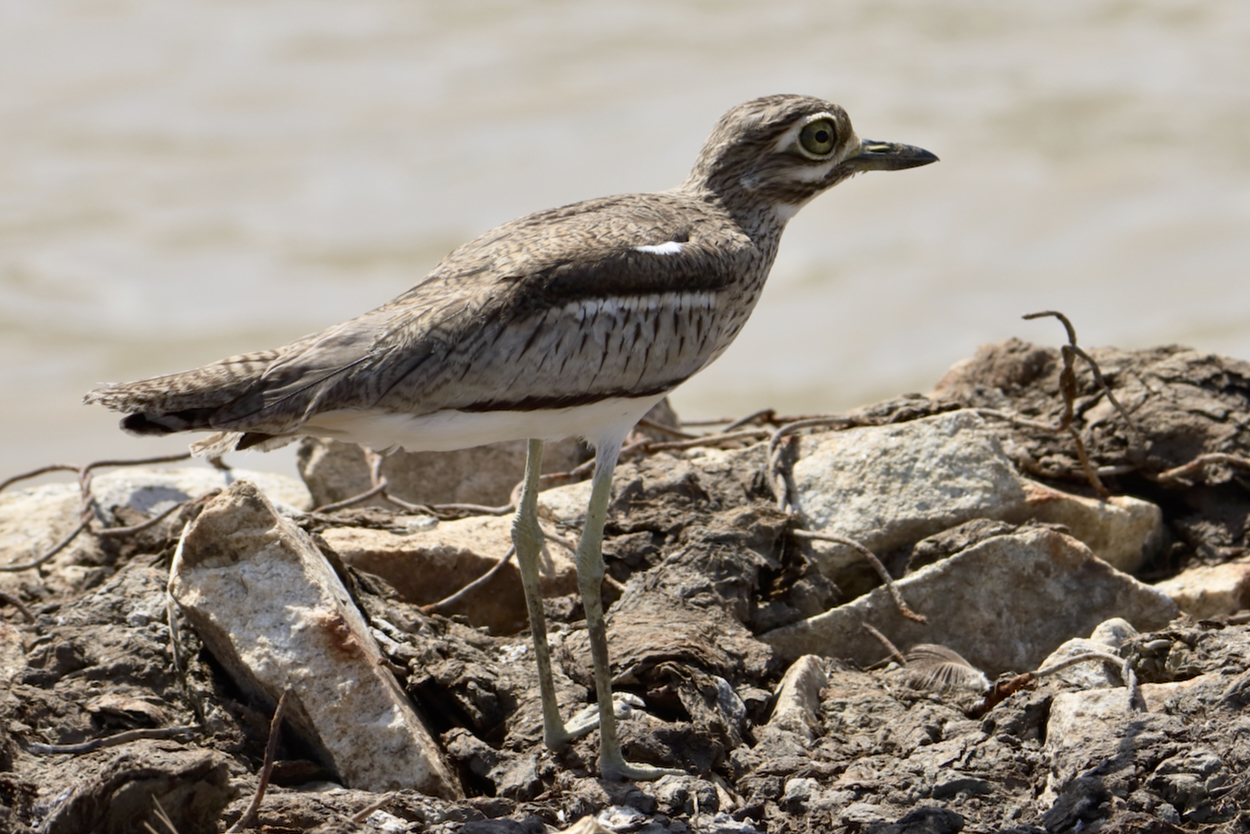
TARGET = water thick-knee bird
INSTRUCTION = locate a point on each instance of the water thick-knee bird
(568, 322)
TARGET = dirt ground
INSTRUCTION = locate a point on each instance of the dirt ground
(699, 567)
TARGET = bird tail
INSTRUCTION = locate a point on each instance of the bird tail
(193, 400)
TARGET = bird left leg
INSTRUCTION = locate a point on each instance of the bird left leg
(590, 572)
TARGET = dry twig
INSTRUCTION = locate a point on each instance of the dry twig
(7, 598)
(1201, 462)
(872, 560)
(111, 741)
(885, 641)
(447, 603)
(266, 771)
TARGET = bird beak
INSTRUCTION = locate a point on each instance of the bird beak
(887, 156)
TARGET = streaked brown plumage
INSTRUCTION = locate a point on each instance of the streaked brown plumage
(571, 321)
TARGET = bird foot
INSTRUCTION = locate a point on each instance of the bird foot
(616, 769)
(587, 718)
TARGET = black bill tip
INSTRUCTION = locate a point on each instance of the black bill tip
(889, 156)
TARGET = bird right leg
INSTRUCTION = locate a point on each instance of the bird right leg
(527, 537)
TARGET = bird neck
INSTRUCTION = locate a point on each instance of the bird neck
(762, 220)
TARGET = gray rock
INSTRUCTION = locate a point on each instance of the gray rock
(34, 520)
(151, 490)
(888, 486)
(893, 485)
(275, 615)
(1004, 604)
(1094, 734)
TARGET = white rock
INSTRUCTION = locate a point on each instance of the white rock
(797, 707)
(275, 615)
(1107, 638)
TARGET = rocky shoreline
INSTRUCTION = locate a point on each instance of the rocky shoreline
(1072, 526)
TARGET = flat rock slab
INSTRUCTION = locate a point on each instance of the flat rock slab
(1004, 604)
(430, 564)
(273, 612)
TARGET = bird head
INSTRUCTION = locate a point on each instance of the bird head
(781, 151)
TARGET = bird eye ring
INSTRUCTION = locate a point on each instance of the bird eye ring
(818, 138)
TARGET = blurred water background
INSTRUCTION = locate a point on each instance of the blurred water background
(182, 181)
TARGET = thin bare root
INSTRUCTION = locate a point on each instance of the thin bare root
(1200, 463)
(111, 741)
(1068, 389)
(89, 509)
(872, 560)
(446, 604)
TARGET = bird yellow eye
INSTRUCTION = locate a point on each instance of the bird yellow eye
(818, 138)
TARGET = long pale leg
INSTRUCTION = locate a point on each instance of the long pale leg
(590, 581)
(527, 536)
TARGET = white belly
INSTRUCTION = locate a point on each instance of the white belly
(604, 422)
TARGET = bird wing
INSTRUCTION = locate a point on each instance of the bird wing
(608, 298)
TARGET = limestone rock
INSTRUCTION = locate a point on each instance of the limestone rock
(886, 486)
(1004, 604)
(432, 563)
(1208, 591)
(275, 615)
(1122, 530)
(798, 698)
(34, 520)
(1094, 735)
(1107, 638)
(151, 490)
